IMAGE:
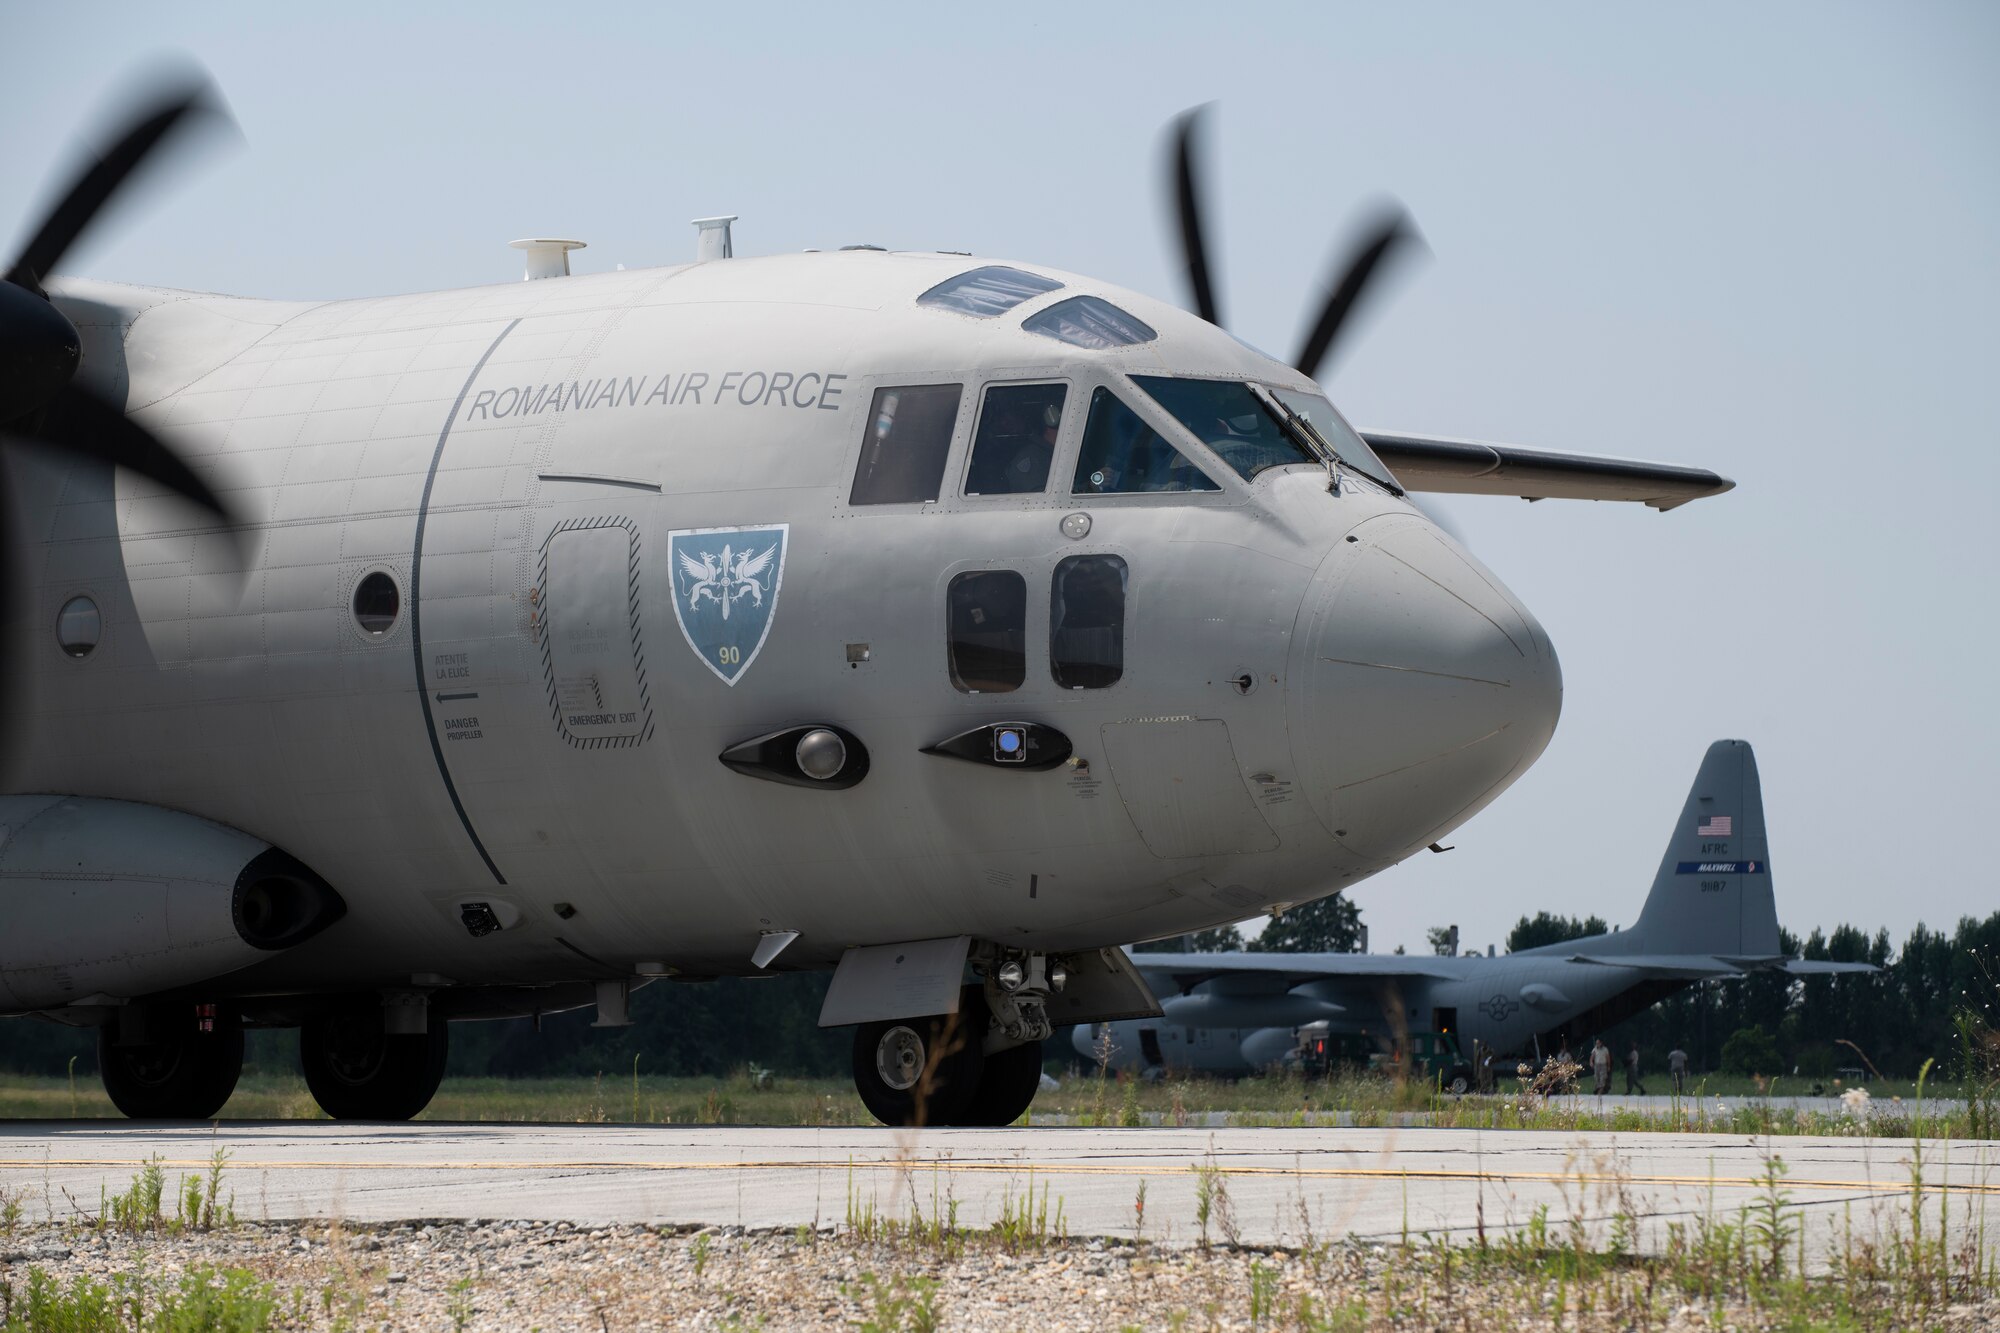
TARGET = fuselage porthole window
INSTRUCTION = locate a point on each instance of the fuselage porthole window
(1016, 439)
(1123, 455)
(376, 603)
(987, 631)
(79, 626)
(1087, 622)
(909, 435)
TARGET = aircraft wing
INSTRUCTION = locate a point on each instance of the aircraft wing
(1693, 967)
(1470, 467)
(1187, 970)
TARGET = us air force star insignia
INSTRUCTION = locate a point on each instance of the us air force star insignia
(726, 584)
(1498, 1007)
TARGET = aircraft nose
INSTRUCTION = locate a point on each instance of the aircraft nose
(1429, 688)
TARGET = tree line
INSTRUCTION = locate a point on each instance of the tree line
(1891, 1021)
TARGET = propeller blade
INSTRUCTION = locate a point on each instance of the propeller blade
(185, 101)
(80, 422)
(38, 351)
(1392, 231)
(1187, 205)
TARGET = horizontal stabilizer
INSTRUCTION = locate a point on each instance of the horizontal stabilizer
(1822, 967)
(1471, 467)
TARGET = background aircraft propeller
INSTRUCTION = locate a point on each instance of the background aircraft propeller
(1389, 233)
(40, 349)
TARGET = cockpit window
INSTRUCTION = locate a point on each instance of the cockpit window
(987, 611)
(989, 291)
(1226, 416)
(1333, 428)
(909, 434)
(1016, 440)
(1089, 321)
(1121, 454)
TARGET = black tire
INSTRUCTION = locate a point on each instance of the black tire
(356, 1071)
(183, 1074)
(920, 1071)
(1008, 1082)
(1458, 1081)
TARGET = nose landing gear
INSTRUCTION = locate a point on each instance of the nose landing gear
(357, 1070)
(979, 1066)
(177, 1062)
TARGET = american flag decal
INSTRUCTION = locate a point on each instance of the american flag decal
(1716, 827)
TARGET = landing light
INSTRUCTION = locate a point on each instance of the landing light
(1058, 977)
(1011, 975)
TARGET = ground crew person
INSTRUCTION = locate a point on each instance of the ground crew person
(1600, 1065)
(1677, 1066)
(1632, 1082)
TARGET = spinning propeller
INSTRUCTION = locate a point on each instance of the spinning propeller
(1389, 233)
(40, 402)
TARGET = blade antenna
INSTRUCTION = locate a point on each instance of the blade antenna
(1392, 231)
(1187, 205)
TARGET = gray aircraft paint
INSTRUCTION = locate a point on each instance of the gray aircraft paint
(1710, 913)
(1316, 684)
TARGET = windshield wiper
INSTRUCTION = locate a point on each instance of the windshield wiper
(1302, 434)
(1300, 427)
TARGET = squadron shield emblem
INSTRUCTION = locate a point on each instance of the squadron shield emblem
(726, 590)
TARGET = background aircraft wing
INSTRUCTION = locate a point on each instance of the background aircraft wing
(1183, 971)
(1683, 965)
(1469, 467)
(1822, 967)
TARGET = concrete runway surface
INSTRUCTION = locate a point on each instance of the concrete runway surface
(1372, 1183)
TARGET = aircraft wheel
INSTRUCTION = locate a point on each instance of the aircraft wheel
(356, 1071)
(919, 1071)
(184, 1074)
(1008, 1082)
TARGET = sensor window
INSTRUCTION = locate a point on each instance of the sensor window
(376, 603)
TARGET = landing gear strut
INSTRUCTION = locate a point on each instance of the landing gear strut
(176, 1062)
(358, 1071)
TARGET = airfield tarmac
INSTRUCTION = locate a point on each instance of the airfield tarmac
(1371, 1184)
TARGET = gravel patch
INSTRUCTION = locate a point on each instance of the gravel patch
(504, 1275)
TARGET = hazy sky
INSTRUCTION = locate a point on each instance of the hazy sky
(1761, 238)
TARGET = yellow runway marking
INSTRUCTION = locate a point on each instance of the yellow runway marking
(1155, 1169)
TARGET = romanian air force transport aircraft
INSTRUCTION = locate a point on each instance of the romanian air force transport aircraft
(379, 664)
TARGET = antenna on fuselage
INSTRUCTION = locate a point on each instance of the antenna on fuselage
(547, 256)
(711, 239)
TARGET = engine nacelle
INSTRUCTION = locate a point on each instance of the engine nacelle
(115, 899)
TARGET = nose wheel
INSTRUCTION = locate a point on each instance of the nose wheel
(921, 1071)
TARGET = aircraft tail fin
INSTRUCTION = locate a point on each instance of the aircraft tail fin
(1712, 894)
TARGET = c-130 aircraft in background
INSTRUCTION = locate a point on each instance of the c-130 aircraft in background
(484, 653)
(1711, 914)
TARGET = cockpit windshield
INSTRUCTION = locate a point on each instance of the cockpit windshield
(1226, 416)
(1229, 417)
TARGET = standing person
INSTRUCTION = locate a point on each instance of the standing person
(1600, 1065)
(1632, 1083)
(1677, 1066)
